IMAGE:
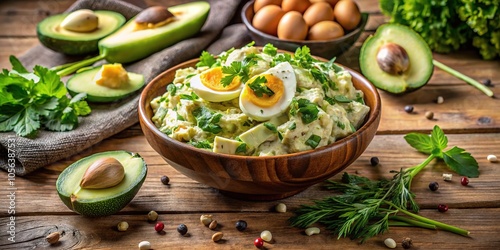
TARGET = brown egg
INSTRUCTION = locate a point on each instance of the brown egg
(318, 12)
(347, 14)
(325, 30)
(331, 2)
(267, 19)
(258, 4)
(296, 5)
(292, 26)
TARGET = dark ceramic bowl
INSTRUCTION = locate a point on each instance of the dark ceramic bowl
(327, 49)
(253, 177)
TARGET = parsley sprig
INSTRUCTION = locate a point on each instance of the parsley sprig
(366, 208)
(259, 87)
(239, 69)
(32, 101)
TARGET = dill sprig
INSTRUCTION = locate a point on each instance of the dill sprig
(365, 208)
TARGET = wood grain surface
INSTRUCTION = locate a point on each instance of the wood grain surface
(470, 119)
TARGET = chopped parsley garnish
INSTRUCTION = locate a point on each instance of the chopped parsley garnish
(270, 49)
(239, 69)
(241, 149)
(292, 126)
(172, 89)
(191, 97)
(342, 99)
(206, 59)
(308, 110)
(313, 141)
(340, 125)
(201, 144)
(207, 121)
(259, 87)
(273, 128)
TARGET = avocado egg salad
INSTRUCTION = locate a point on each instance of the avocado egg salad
(260, 102)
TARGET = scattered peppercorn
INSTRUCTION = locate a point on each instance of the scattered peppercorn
(266, 235)
(487, 82)
(152, 216)
(439, 100)
(390, 243)
(206, 219)
(492, 158)
(241, 225)
(433, 186)
(408, 108)
(182, 229)
(447, 177)
(165, 180)
(407, 243)
(429, 115)
(259, 242)
(464, 181)
(144, 245)
(217, 236)
(122, 226)
(280, 208)
(374, 161)
(442, 208)
(159, 226)
(213, 225)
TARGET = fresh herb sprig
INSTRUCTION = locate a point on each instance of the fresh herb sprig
(259, 87)
(32, 101)
(366, 208)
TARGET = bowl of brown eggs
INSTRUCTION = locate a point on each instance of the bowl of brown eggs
(327, 27)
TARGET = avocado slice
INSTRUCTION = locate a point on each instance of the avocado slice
(106, 201)
(52, 36)
(397, 73)
(129, 44)
(226, 146)
(83, 82)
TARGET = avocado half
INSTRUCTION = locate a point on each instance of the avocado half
(83, 82)
(419, 54)
(128, 44)
(106, 201)
(52, 36)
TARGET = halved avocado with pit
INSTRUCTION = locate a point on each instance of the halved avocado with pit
(382, 59)
(83, 82)
(105, 201)
(56, 38)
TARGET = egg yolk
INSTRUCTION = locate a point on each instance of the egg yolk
(212, 79)
(275, 84)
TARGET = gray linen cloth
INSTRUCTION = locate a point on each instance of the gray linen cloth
(107, 120)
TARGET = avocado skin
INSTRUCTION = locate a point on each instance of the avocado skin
(100, 208)
(72, 46)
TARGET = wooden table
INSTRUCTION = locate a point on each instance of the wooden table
(471, 120)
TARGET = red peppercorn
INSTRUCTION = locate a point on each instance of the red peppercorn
(259, 242)
(442, 208)
(159, 226)
(464, 181)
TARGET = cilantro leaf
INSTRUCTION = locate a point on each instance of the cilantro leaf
(259, 87)
(420, 142)
(239, 69)
(49, 84)
(207, 120)
(461, 162)
(17, 65)
(206, 59)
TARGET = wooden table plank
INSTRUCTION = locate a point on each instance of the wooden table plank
(482, 192)
(101, 233)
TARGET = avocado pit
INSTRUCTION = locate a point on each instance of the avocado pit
(393, 59)
(103, 173)
(153, 17)
(83, 20)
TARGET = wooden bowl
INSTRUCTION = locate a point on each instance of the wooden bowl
(327, 49)
(253, 177)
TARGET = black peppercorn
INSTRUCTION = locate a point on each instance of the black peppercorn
(165, 180)
(487, 82)
(407, 243)
(182, 229)
(374, 161)
(408, 108)
(241, 225)
(433, 186)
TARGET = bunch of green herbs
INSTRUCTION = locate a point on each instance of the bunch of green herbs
(366, 208)
(31, 101)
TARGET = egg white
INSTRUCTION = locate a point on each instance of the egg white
(212, 95)
(283, 71)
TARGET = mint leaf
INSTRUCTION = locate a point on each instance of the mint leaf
(461, 162)
(420, 142)
(438, 138)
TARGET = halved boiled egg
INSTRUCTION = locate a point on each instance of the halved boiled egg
(208, 85)
(270, 93)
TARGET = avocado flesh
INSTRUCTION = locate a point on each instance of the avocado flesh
(106, 201)
(52, 36)
(419, 54)
(83, 83)
(142, 43)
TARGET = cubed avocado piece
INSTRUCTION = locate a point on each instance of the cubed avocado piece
(260, 133)
(227, 146)
(53, 36)
(104, 201)
(396, 59)
(85, 82)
